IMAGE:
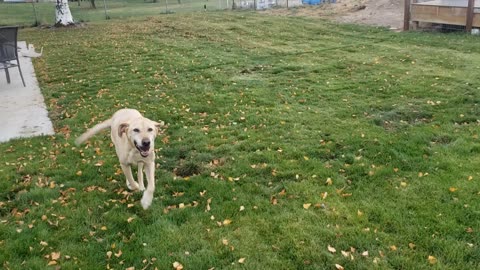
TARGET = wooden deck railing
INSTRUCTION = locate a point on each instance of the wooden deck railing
(469, 14)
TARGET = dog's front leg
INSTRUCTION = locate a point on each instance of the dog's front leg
(148, 193)
(140, 176)
(131, 184)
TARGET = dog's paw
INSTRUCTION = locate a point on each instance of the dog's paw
(135, 186)
(147, 199)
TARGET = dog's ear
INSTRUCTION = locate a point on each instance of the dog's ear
(122, 129)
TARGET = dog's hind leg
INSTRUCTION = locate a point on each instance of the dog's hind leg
(140, 176)
(147, 197)
(131, 184)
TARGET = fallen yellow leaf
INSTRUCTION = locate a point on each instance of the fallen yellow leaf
(432, 259)
(331, 249)
(99, 163)
(241, 260)
(177, 266)
(227, 222)
(273, 200)
(339, 267)
(118, 254)
(55, 255)
(329, 181)
(453, 189)
(307, 205)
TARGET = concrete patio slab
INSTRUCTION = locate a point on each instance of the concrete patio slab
(22, 109)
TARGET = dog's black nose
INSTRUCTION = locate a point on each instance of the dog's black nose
(145, 143)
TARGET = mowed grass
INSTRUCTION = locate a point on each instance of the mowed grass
(43, 13)
(292, 143)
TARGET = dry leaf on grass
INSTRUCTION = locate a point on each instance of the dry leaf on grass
(177, 266)
(331, 249)
(55, 256)
(329, 181)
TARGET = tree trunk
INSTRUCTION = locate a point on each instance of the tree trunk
(63, 16)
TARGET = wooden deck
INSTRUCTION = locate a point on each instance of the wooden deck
(452, 12)
(448, 3)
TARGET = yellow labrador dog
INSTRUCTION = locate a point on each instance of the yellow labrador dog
(133, 136)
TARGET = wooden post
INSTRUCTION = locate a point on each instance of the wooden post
(406, 16)
(468, 25)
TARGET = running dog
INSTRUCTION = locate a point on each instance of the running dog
(133, 136)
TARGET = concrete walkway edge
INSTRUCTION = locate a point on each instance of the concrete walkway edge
(23, 111)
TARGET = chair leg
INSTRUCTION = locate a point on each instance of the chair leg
(8, 75)
(21, 75)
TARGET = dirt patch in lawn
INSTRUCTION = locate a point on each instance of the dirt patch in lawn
(386, 13)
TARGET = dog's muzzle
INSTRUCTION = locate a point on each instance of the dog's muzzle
(144, 148)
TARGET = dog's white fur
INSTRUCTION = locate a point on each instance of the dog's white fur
(133, 136)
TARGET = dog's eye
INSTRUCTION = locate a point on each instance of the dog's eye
(136, 130)
(150, 129)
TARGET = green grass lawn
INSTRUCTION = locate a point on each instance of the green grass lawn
(292, 143)
(43, 13)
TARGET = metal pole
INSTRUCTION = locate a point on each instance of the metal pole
(35, 13)
(105, 8)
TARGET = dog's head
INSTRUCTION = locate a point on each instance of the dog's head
(141, 132)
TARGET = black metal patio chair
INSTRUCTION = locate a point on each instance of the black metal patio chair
(9, 50)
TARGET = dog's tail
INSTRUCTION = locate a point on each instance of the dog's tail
(94, 130)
